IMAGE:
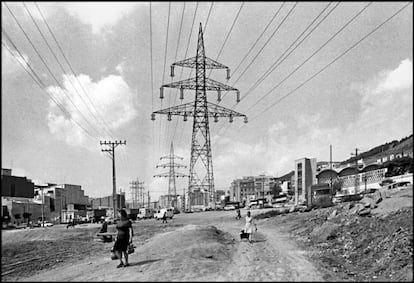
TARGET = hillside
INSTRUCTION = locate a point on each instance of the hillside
(393, 147)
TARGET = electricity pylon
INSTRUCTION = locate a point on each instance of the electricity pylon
(137, 193)
(201, 110)
(171, 175)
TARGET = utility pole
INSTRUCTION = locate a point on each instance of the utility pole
(330, 164)
(171, 175)
(111, 150)
(200, 110)
(356, 168)
(148, 199)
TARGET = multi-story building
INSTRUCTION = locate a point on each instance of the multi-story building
(107, 202)
(251, 187)
(14, 186)
(305, 176)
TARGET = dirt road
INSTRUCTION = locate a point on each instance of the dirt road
(198, 247)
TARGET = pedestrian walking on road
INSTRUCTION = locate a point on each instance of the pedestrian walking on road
(164, 218)
(124, 237)
(238, 216)
(248, 228)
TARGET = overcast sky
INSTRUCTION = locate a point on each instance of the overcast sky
(363, 99)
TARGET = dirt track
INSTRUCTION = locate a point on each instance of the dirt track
(195, 247)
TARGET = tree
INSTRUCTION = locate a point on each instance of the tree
(276, 190)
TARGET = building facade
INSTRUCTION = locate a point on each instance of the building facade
(305, 176)
(251, 188)
(14, 186)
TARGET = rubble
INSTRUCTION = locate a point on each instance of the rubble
(357, 244)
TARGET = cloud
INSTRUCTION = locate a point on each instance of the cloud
(387, 99)
(399, 79)
(112, 102)
(99, 16)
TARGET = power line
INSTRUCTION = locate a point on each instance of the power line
(47, 67)
(181, 73)
(57, 60)
(257, 40)
(71, 68)
(39, 82)
(313, 54)
(333, 61)
(208, 17)
(274, 32)
(228, 34)
(165, 60)
(167, 129)
(277, 62)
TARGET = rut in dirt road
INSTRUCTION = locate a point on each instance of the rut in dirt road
(272, 256)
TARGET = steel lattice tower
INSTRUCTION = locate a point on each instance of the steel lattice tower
(201, 110)
(171, 175)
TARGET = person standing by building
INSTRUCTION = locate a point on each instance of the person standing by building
(124, 237)
(248, 228)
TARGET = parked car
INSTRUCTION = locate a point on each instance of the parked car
(45, 224)
(229, 207)
(160, 213)
(386, 182)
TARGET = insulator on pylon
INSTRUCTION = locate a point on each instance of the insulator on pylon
(218, 95)
(153, 116)
(161, 93)
(185, 116)
(245, 119)
(231, 118)
(172, 70)
(215, 118)
(169, 116)
(181, 93)
(228, 74)
(238, 96)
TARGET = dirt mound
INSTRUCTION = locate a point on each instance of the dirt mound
(364, 247)
(205, 245)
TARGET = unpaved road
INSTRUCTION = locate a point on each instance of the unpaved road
(273, 256)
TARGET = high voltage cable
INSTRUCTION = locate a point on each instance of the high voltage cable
(273, 66)
(313, 54)
(47, 67)
(268, 40)
(257, 40)
(277, 62)
(333, 61)
(208, 17)
(167, 129)
(228, 34)
(165, 60)
(40, 83)
(72, 70)
(182, 69)
(57, 60)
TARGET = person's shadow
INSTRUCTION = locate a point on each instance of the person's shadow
(143, 262)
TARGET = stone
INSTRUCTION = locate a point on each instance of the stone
(333, 214)
(364, 212)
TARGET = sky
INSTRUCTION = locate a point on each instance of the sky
(327, 86)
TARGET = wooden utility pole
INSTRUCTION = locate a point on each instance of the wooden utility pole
(111, 151)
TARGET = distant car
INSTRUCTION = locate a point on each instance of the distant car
(45, 224)
(229, 207)
(386, 182)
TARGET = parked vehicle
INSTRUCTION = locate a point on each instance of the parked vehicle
(145, 213)
(160, 213)
(45, 224)
(229, 207)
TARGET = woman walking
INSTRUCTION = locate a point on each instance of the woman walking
(124, 237)
(248, 228)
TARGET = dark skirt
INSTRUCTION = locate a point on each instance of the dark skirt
(121, 245)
